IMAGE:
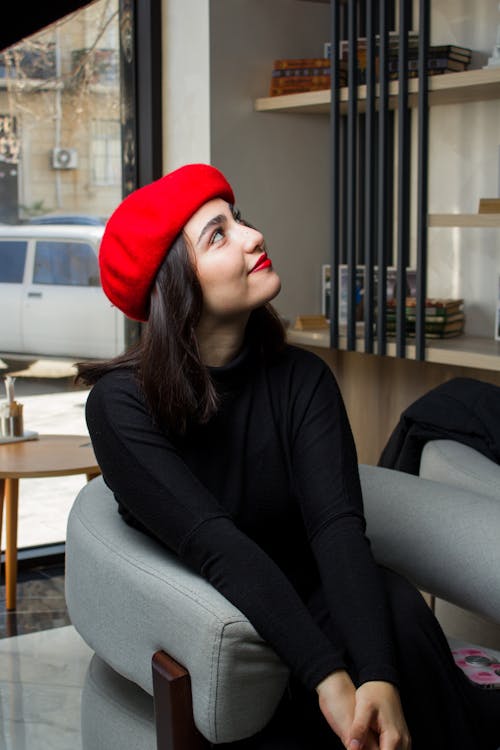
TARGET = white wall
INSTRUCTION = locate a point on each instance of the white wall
(277, 163)
(186, 82)
(218, 60)
(464, 147)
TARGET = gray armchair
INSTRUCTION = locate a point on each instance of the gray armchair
(177, 667)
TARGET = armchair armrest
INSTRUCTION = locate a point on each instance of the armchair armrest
(128, 597)
(444, 539)
(460, 465)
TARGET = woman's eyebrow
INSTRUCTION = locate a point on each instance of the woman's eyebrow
(215, 222)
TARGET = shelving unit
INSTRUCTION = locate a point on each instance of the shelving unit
(483, 221)
(462, 351)
(449, 88)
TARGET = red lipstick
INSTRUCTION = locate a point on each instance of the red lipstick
(262, 262)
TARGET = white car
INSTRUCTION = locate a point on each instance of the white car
(51, 301)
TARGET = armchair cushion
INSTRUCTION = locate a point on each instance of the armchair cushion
(128, 597)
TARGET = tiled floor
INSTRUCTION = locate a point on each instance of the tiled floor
(40, 603)
(42, 666)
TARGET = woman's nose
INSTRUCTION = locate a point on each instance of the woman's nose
(252, 238)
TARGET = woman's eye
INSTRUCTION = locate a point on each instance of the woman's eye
(217, 236)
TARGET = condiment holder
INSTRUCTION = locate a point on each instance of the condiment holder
(11, 412)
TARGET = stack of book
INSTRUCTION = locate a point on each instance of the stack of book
(444, 317)
(442, 58)
(294, 75)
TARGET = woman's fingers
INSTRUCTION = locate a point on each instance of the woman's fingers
(363, 720)
(378, 710)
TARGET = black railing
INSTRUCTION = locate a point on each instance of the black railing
(370, 223)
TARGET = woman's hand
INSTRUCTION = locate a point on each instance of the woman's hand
(378, 712)
(337, 702)
(369, 718)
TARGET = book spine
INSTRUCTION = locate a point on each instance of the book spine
(298, 88)
(304, 62)
(300, 72)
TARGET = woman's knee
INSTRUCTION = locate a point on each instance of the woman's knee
(407, 605)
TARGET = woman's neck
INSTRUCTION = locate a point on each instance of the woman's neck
(220, 342)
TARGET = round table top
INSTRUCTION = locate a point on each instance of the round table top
(46, 456)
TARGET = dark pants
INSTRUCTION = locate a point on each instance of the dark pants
(444, 711)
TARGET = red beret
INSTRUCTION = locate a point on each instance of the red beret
(140, 232)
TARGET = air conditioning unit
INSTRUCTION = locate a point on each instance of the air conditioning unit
(64, 158)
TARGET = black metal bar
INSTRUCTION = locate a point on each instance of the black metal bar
(128, 90)
(352, 115)
(335, 172)
(422, 175)
(148, 93)
(384, 160)
(369, 223)
(404, 146)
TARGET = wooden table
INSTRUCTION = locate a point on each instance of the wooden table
(47, 456)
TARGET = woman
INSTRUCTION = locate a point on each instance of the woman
(234, 450)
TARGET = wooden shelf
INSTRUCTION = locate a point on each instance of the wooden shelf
(463, 351)
(464, 220)
(449, 88)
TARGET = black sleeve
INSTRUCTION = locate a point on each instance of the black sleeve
(326, 470)
(153, 483)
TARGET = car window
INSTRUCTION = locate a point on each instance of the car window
(65, 263)
(12, 260)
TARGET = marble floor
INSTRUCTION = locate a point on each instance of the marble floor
(43, 661)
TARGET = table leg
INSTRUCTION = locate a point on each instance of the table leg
(2, 490)
(11, 497)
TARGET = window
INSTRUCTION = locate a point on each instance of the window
(65, 263)
(12, 260)
(106, 155)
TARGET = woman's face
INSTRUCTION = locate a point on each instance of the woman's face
(235, 273)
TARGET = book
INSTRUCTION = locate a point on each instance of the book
(299, 72)
(301, 62)
(452, 50)
(445, 334)
(444, 327)
(291, 86)
(359, 289)
(310, 322)
(429, 319)
(433, 305)
(489, 205)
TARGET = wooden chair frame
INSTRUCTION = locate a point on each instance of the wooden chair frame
(173, 706)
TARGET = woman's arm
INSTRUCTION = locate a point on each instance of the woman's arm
(156, 487)
(326, 471)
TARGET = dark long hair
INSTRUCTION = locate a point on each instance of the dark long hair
(166, 361)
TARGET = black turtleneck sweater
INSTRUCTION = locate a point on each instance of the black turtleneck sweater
(264, 501)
